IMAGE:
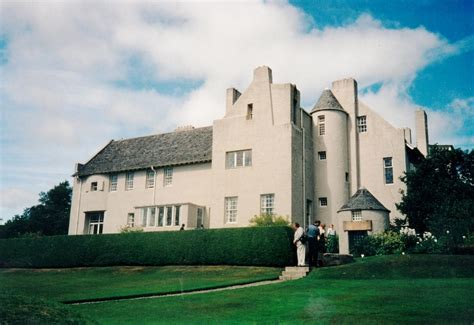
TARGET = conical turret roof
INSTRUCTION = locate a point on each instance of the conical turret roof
(326, 101)
(363, 200)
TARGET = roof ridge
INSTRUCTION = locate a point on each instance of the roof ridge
(157, 134)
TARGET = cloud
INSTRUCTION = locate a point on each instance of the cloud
(64, 65)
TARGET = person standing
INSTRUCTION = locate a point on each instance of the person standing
(321, 244)
(300, 247)
(313, 233)
(331, 231)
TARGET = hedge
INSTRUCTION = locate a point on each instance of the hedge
(259, 246)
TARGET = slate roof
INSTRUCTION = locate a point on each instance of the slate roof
(363, 200)
(160, 150)
(327, 101)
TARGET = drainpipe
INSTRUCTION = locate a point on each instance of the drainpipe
(79, 203)
(304, 168)
(154, 184)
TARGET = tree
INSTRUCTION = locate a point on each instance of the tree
(440, 193)
(50, 217)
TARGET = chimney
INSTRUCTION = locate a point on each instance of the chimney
(407, 134)
(263, 74)
(421, 128)
(231, 97)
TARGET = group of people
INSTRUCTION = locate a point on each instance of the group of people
(314, 240)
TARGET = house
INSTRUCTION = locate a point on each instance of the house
(266, 155)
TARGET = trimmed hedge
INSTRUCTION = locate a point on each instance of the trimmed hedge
(259, 246)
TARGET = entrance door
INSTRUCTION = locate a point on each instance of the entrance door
(356, 237)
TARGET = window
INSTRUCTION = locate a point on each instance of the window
(322, 155)
(168, 176)
(96, 222)
(150, 179)
(241, 158)
(131, 220)
(309, 211)
(347, 177)
(322, 125)
(144, 216)
(113, 182)
(169, 216)
(152, 217)
(230, 208)
(176, 215)
(129, 181)
(388, 170)
(199, 218)
(323, 201)
(93, 186)
(362, 124)
(356, 215)
(249, 111)
(267, 203)
(161, 213)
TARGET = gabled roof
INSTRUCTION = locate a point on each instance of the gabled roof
(363, 200)
(327, 101)
(160, 150)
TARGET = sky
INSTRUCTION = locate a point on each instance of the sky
(74, 75)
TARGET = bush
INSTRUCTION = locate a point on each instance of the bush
(332, 244)
(269, 220)
(265, 246)
(385, 243)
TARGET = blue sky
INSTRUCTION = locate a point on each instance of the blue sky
(75, 75)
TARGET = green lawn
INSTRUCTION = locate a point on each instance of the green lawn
(385, 289)
(388, 289)
(103, 282)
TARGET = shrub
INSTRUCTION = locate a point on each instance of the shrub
(385, 243)
(269, 220)
(332, 244)
(266, 246)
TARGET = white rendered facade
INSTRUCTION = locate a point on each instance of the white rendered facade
(268, 154)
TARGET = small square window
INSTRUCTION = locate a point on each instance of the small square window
(322, 155)
(323, 201)
(362, 124)
(356, 215)
(93, 186)
(267, 203)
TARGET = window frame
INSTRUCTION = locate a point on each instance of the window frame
(113, 182)
(231, 209)
(322, 155)
(150, 178)
(238, 159)
(356, 215)
(321, 125)
(388, 171)
(322, 200)
(362, 124)
(249, 111)
(94, 186)
(129, 177)
(131, 219)
(167, 176)
(267, 204)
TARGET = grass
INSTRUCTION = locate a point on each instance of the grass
(106, 282)
(386, 289)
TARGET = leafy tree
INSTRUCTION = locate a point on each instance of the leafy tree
(440, 194)
(50, 217)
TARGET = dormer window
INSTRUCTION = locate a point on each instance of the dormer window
(249, 111)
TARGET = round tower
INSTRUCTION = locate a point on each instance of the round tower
(331, 160)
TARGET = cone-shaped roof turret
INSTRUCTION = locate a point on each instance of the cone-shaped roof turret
(363, 200)
(327, 101)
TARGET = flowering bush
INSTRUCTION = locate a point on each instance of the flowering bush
(407, 241)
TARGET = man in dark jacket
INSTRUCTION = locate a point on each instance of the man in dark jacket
(313, 232)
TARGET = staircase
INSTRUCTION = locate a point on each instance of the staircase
(294, 272)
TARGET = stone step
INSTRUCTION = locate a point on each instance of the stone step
(287, 278)
(294, 273)
(299, 268)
